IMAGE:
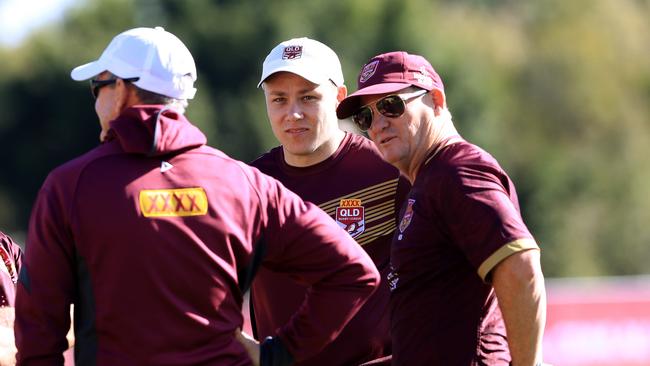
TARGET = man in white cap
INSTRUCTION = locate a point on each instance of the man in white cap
(153, 235)
(344, 174)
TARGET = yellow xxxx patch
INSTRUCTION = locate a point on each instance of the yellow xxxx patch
(173, 202)
(350, 202)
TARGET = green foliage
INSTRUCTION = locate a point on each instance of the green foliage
(556, 90)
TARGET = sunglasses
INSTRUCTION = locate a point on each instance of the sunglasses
(391, 106)
(95, 84)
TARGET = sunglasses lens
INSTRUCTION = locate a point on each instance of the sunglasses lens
(392, 106)
(363, 118)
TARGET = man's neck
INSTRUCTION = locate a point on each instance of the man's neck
(440, 132)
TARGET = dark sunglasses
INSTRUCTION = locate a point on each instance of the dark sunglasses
(391, 106)
(95, 84)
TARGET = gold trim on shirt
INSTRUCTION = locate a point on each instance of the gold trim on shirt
(502, 253)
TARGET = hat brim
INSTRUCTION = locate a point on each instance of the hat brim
(352, 102)
(304, 72)
(87, 71)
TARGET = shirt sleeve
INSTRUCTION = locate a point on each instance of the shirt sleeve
(304, 242)
(45, 286)
(483, 216)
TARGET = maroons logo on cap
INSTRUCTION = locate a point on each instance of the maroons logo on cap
(292, 52)
(368, 71)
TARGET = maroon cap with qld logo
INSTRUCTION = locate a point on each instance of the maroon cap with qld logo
(387, 73)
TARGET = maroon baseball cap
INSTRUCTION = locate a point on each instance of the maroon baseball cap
(387, 73)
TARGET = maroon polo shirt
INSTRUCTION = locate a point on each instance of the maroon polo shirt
(147, 234)
(361, 193)
(460, 220)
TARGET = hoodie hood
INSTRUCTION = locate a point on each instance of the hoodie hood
(154, 130)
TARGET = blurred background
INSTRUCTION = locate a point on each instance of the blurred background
(558, 91)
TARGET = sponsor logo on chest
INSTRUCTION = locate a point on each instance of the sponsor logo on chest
(173, 202)
(350, 216)
(393, 278)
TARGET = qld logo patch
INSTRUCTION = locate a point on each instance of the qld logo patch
(408, 215)
(368, 71)
(350, 216)
(173, 202)
(292, 52)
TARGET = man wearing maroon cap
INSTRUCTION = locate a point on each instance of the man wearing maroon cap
(465, 269)
(344, 174)
(154, 236)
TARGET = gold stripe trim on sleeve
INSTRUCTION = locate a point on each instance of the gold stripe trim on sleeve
(505, 251)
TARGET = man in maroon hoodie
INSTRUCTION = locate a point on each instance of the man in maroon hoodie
(153, 235)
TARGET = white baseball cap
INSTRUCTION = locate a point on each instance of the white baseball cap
(304, 57)
(158, 58)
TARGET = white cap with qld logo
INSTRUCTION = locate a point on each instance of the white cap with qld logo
(158, 58)
(304, 57)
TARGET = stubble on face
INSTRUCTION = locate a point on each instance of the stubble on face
(403, 140)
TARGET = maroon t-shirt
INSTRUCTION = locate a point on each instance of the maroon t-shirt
(361, 193)
(147, 235)
(460, 214)
(10, 261)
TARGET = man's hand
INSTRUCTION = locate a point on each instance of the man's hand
(250, 344)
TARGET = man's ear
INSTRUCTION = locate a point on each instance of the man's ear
(342, 93)
(438, 97)
(125, 94)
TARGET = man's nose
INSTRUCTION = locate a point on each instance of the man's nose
(295, 111)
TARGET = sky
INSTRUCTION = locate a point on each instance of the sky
(19, 17)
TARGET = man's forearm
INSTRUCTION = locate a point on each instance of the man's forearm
(519, 285)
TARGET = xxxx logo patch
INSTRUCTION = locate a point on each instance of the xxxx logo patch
(350, 216)
(173, 202)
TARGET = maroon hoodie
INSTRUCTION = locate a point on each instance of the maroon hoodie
(146, 234)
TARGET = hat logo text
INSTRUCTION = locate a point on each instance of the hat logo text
(292, 52)
(422, 77)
